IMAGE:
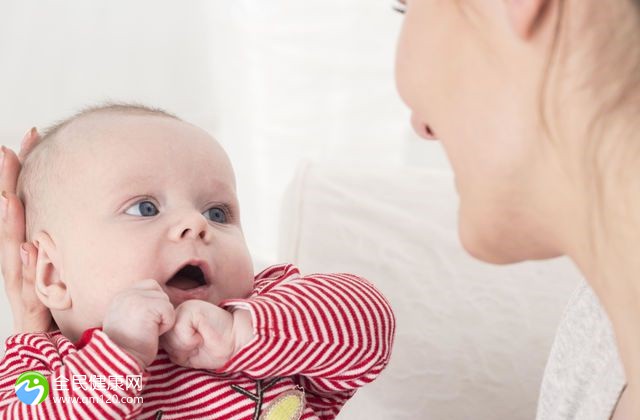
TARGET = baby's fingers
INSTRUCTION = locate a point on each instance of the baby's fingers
(166, 312)
(181, 341)
(182, 336)
(178, 351)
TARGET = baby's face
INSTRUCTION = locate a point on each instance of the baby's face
(146, 197)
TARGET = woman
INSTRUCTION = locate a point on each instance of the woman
(535, 102)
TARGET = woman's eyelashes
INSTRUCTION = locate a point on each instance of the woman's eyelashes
(146, 208)
(400, 6)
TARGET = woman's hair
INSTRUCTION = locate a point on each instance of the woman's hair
(597, 55)
(606, 57)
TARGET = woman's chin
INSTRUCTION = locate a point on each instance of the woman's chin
(489, 254)
(497, 241)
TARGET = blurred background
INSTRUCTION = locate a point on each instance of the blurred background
(274, 81)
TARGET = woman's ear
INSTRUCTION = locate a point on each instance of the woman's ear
(50, 286)
(525, 15)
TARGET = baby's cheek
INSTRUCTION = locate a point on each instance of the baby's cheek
(85, 314)
(242, 275)
(95, 290)
(239, 284)
(248, 285)
(248, 275)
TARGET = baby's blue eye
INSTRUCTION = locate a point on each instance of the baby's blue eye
(143, 208)
(216, 214)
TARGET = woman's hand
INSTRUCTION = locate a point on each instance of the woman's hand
(18, 259)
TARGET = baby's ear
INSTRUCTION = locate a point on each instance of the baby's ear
(50, 287)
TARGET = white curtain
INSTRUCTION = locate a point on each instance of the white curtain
(276, 81)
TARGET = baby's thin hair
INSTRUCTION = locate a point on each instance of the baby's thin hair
(107, 107)
(43, 165)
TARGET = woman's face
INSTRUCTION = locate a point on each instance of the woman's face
(473, 82)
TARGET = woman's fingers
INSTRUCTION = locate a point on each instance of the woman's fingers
(29, 313)
(13, 230)
(28, 143)
(28, 254)
(37, 317)
(10, 162)
(10, 168)
(11, 222)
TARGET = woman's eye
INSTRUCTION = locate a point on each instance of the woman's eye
(143, 208)
(400, 6)
(216, 214)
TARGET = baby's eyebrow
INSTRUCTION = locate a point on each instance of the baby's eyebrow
(133, 180)
(140, 181)
(226, 192)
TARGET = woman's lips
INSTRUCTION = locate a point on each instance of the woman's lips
(422, 129)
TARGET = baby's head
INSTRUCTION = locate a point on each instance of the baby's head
(122, 193)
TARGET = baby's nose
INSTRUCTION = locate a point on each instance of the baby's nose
(191, 226)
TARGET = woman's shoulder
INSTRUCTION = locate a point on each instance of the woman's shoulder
(584, 376)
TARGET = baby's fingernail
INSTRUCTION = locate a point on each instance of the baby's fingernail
(24, 255)
(3, 205)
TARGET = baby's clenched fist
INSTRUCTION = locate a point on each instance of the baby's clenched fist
(206, 336)
(137, 317)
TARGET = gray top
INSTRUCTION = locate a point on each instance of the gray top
(584, 376)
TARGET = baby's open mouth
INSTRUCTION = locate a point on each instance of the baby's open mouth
(188, 277)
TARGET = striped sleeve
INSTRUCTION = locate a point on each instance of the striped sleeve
(334, 331)
(70, 378)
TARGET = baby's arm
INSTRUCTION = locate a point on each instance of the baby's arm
(334, 332)
(99, 358)
(114, 358)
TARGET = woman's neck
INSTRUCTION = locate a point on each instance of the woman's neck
(605, 245)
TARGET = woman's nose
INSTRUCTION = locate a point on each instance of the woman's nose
(422, 129)
(191, 226)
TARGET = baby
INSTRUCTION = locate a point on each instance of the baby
(144, 267)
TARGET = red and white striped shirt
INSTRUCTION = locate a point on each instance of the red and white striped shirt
(320, 336)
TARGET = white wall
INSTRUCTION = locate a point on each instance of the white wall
(276, 81)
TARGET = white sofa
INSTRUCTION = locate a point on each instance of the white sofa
(472, 339)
